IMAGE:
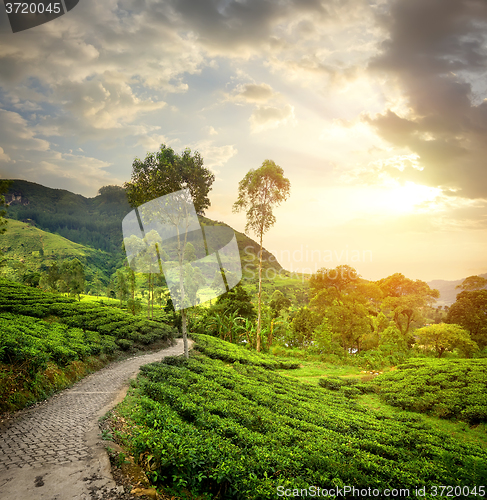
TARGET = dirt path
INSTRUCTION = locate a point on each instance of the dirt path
(53, 451)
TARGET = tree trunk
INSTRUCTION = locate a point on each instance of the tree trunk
(259, 307)
(148, 298)
(132, 283)
(185, 336)
(152, 300)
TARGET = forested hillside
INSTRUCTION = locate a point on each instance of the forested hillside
(95, 222)
(28, 251)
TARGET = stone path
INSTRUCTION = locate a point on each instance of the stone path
(53, 451)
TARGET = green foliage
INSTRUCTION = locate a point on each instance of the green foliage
(404, 300)
(348, 387)
(278, 303)
(236, 300)
(32, 340)
(444, 337)
(240, 431)
(473, 283)
(302, 327)
(225, 351)
(258, 192)
(28, 250)
(4, 185)
(470, 312)
(453, 388)
(392, 340)
(95, 317)
(165, 172)
(88, 221)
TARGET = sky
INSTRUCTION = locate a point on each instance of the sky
(375, 109)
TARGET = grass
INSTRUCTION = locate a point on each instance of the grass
(100, 299)
(311, 371)
(27, 246)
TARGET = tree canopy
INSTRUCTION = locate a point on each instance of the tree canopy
(445, 337)
(165, 172)
(470, 312)
(473, 283)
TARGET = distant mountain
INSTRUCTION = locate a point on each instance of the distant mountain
(448, 290)
(96, 222)
(27, 249)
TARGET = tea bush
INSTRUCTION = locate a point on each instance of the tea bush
(105, 320)
(32, 340)
(226, 351)
(238, 431)
(450, 388)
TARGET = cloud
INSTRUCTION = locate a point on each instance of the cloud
(253, 93)
(16, 136)
(268, 117)
(385, 171)
(153, 142)
(25, 156)
(240, 27)
(215, 156)
(99, 69)
(3, 156)
(436, 53)
(210, 130)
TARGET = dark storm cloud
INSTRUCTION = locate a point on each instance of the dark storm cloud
(229, 25)
(436, 52)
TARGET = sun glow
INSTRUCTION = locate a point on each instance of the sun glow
(409, 198)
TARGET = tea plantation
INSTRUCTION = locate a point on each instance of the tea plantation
(226, 351)
(230, 429)
(455, 388)
(48, 341)
(126, 329)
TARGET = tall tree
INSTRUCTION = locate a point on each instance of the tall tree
(4, 185)
(165, 172)
(72, 277)
(258, 192)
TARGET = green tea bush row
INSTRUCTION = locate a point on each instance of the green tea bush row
(19, 299)
(453, 388)
(226, 351)
(347, 386)
(32, 340)
(240, 431)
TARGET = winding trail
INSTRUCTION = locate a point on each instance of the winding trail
(53, 451)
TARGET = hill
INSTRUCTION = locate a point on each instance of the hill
(95, 222)
(448, 290)
(27, 248)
